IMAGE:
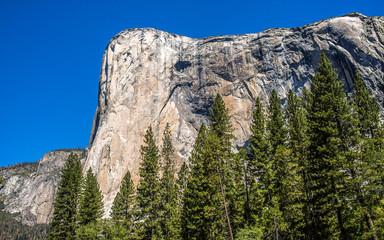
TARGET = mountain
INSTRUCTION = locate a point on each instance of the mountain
(153, 77)
(31, 187)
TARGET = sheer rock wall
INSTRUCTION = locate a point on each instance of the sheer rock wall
(150, 77)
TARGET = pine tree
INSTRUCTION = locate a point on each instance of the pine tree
(222, 129)
(258, 168)
(181, 186)
(267, 168)
(148, 191)
(298, 143)
(366, 174)
(237, 191)
(181, 183)
(220, 123)
(64, 220)
(103, 229)
(91, 201)
(202, 213)
(169, 221)
(275, 125)
(332, 138)
(368, 111)
(123, 204)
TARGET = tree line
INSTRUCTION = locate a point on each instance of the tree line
(312, 170)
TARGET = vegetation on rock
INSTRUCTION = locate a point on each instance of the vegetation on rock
(313, 170)
(65, 216)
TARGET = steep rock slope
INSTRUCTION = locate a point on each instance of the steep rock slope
(31, 187)
(151, 77)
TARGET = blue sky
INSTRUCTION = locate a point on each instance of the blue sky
(51, 54)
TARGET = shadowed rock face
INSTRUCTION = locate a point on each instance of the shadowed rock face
(149, 77)
(31, 188)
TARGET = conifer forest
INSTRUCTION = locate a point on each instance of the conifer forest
(313, 169)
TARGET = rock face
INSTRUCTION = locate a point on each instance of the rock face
(150, 77)
(31, 187)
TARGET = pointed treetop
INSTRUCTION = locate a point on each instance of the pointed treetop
(258, 121)
(122, 211)
(276, 122)
(91, 201)
(219, 118)
(366, 107)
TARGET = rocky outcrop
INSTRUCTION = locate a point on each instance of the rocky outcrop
(150, 77)
(31, 187)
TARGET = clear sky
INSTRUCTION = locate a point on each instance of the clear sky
(51, 54)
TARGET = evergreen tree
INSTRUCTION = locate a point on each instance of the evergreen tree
(258, 168)
(222, 129)
(202, 213)
(192, 218)
(148, 191)
(298, 143)
(103, 229)
(275, 125)
(189, 215)
(64, 220)
(181, 186)
(220, 123)
(169, 221)
(91, 201)
(237, 191)
(368, 111)
(123, 204)
(366, 174)
(181, 183)
(332, 138)
(267, 165)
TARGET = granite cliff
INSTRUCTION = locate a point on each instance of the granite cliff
(153, 77)
(31, 187)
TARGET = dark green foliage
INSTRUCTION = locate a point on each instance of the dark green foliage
(169, 211)
(203, 215)
(123, 204)
(257, 168)
(229, 181)
(220, 123)
(11, 229)
(313, 171)
(193, 220)
(236, 191)
(332, 135)
(298, 143)
(311, 175)
(103, 229)
(23, 169)
(276, 124)
(278, 176)
(65, 217)
(368, 111)
(367, 177)
(215, 195)
(248, 233)
(91, 201)
(148, 191)
(182, 181)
